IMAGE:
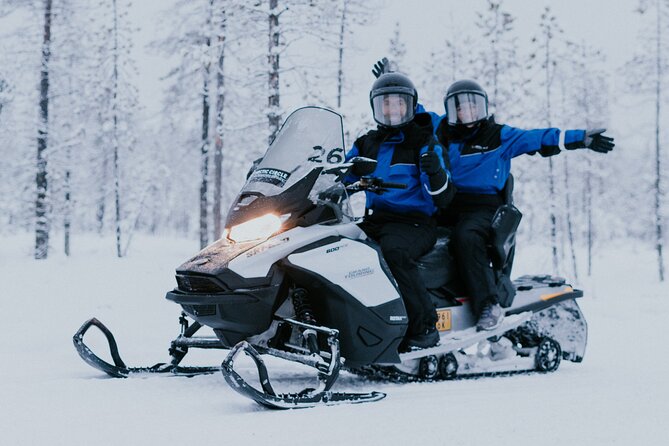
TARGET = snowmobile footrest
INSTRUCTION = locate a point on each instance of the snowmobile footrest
(269, 398)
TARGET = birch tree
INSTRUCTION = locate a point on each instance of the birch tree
(117, 99)
(41, 181)
(588, 87)
(220, 26)
(544, 60)
(273, 64)
(650, 67)
(397, 50)
(497, 66)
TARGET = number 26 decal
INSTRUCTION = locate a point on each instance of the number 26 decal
(334, 156)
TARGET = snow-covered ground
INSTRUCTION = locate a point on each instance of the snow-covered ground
(48, 396)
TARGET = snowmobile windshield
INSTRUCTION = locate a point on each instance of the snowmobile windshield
(466, 108)
(291, 173)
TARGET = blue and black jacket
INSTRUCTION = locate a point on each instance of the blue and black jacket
(397, 152)
(481, 162)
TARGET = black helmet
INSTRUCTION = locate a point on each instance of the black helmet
(465, 92)
(393, 99)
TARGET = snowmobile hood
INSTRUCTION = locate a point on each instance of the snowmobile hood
(215, 258)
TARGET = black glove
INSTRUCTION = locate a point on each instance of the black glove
(429, 163)
(380, 67)
(595, 140)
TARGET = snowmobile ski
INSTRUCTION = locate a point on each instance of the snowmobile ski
(119, 369)
(269, 398)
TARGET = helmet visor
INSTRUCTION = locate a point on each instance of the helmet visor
(393, 109)
(466, 108)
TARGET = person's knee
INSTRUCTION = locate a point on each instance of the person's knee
(467, 238)
(396, 257)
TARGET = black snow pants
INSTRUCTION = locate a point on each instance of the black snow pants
(472, 216)
(403, 239)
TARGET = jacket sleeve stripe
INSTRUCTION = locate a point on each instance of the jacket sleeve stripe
(561, 142)
(441, 189)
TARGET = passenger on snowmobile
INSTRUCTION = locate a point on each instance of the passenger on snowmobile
(480, 152)
(401, 220)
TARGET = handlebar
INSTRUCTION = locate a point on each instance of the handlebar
(389, 185)
(375, 185)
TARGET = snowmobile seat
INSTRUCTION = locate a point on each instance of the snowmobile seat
(437, 268)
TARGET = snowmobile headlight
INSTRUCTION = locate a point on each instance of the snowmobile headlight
(255, 229)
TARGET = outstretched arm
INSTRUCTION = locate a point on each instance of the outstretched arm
(551, 141)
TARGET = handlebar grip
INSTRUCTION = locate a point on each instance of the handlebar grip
(393, 185)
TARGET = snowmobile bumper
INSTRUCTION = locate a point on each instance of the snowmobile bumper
(225, 312)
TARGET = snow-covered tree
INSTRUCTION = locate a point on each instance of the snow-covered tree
(451, 62)
(117, 104)
(497, 66)
(41, 182)
(397, 50)
(544, 61)
(586, 104)
(4, 93)
(650, 67)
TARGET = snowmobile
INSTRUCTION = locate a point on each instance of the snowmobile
(294, 277)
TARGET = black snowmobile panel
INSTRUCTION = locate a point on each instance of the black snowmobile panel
(227, 312)
(367, 334)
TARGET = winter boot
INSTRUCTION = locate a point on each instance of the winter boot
(428, 338)
(491, 316)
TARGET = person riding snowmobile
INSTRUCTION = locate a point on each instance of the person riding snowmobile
(402, 220)
(479, 153)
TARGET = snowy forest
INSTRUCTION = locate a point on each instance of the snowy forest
(83, 151)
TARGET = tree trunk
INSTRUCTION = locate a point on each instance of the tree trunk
(551, 170)
(340, 69)
(115, 136)
(570, 231)
(658, 170)
(588, 210)
(567, 195)
(102, 185)
(41, 206)
(204, 157)
(218, 150)
(68, 211)
(273, 115)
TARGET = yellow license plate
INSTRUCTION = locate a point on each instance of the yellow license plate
(444, 320)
